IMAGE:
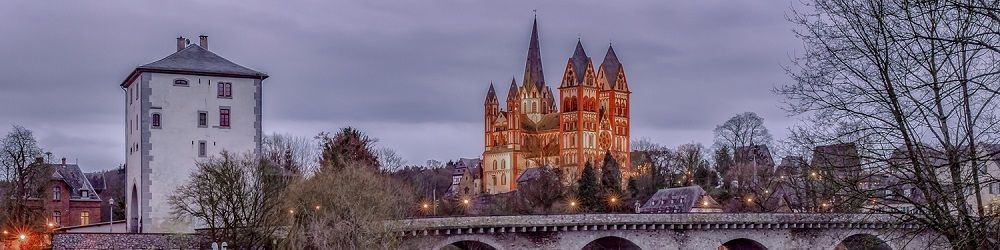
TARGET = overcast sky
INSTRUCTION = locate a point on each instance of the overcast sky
(411, 73)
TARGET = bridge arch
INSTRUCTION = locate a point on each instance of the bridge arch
(611, 242)
(742, 244)
(862, 241)
(468, 245)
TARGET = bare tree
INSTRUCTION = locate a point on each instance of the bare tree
(22, 179)
(345, 209)
(389, 159)
(543, 191)
(917, 82)
(237, 197)
(296, 155)
(744, 129)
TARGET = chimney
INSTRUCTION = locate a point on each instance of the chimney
(64, 160)
(181, 43)
(203, 42)
(39, 160)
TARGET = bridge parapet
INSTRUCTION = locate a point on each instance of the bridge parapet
(593, 222)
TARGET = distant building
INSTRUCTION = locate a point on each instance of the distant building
(179, 110)
(69, 198)
(465, 178)
(690, 199)
(588, 118)
(841, 160)
(110, 184)
(751, 163)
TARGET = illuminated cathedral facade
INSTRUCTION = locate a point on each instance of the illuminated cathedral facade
(589, 117)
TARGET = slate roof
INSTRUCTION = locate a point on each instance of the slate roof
(792, 165)
(611, 65)
(464, 164)
(533, 65)
(579, 60)
(196, 60)
(548, 122)
(678, 200)
(74, 178)
(529, 174)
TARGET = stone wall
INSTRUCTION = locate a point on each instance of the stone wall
(127, 241)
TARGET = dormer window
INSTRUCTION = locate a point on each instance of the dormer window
(181, 82)
(84, 194)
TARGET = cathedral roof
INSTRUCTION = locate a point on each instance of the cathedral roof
(512, 93)
(195, 60)
(611, 66)
(533, 65)
(491, 95)
(580, 60)
(548, 122)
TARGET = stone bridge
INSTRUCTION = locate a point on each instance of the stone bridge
(667, 231)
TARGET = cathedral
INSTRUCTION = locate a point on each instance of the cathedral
(589, 117)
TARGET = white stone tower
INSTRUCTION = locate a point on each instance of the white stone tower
(179, 110)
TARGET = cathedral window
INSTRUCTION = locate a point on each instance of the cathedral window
(494, 166)
(503, 164)
(494, 180)
(224, 117)
(503, 179)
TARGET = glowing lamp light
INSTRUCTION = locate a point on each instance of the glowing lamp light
(22, 237)
(51, 224)
(465, 201)
(317, 207)
(749, 199)
(704, 203)
(571, 203)
(426, 206)
(613, 199)
(291, 211)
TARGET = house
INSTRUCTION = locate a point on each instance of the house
(690, 199)
(69, 198)
(465, 179)
(110, 185)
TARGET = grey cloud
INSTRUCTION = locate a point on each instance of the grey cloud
(392, 67)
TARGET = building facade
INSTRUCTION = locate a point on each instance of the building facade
(588, 118)
(69, 199)
(182, 109)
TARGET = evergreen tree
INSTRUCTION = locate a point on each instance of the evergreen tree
(349, 147)
(723, 162)
(588, 189)
(611, 182)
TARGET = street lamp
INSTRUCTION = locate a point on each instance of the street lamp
(111, 213)
(22, 237)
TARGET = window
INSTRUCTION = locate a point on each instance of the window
(84, 194)
(225, 90)
(503, 179)
(202, 149)
(56, 193)
(84, 218)
(156, 121)
(181, 82)
(56, 217)
(202, 119)
(224, 117)
(494, 166)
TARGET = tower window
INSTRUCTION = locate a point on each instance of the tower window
(202, 119)
(181, 82)
(156, 120)
(224, 117)
(225, 90)
(202, 149)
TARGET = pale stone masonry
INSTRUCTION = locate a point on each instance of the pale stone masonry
(182, 109)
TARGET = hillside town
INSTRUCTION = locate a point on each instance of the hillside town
(199, 171)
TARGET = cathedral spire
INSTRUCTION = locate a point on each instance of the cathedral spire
(611, 66)
(580, 60)
(533, 66)
(512, 94)
(491, 95)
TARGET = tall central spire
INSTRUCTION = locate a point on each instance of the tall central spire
(533, 66)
